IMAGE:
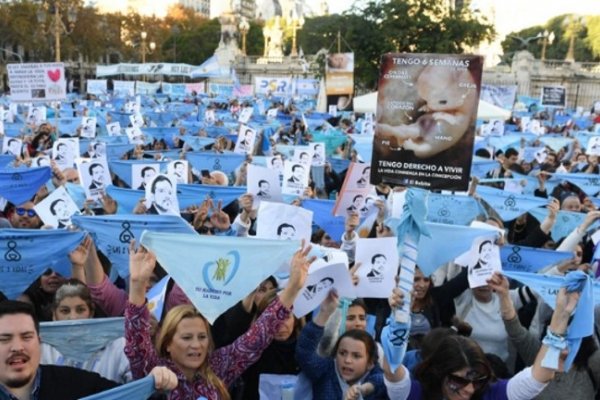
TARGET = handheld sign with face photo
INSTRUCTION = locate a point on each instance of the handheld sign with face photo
(143, 174)
(245, 115)
(263, 183)
(283, 222)
(245, 140)
(367, 126)
(303, 155)
(272, 113)
(57, 209)
(354, 192)
(88, 127)
(178, 169)
(135, 135)
(41, 161)
(593, 146)
(495, 128)
(94, 176)
(36, 115)
(161, 196)
(333, 110)
(379, 265)
(65, 151)
(318, 158)
(12, 146)
(318, 285)
(114, 129)
(97, 150)
(276, 163)
(209, 116)
(482, 260)
(136, 120)
(295, 178)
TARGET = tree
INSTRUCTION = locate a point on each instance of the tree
(563, 31)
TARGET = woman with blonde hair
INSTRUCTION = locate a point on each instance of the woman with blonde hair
(184, 343)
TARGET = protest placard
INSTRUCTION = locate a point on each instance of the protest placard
(37, 82)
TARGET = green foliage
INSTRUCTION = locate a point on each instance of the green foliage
(587, 39)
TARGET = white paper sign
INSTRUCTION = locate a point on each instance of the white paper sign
(37, 82)
(295, 178)
(178, 169)
(482, 260)
(94, 176)
(88, 127)
(161, 196)
(319, 283)
(65, 151)
(12, 146)
(283, 222)
(379, 265)
(143, 174)
(263, 183)
(245, 114)
(245, 140)
(593, 146)
(57, 209)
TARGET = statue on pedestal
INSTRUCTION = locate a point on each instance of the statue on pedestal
(273, 39)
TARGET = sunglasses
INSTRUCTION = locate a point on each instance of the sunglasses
(22, 211)
(456, 382)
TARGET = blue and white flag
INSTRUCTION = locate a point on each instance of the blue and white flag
(139, 389)
(80, 339)
(191, 194)
(589, 183)
(118, 150)
(555, 142)
(156, 297)
(197, 143)
(452, 209)
(215, 272)
(112, 233)
(26, 253)
(481, 166)
(324, 218)
(509, 205)
(449, 241)
(227, 162)
(123, 168)
(504, 142)
(126, 198)
(19, 186)
(566, 222)
(530, 259)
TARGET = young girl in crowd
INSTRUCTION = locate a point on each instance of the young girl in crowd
(351, 371)
(184, 342)
(73, 301)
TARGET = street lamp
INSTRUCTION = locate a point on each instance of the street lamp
(175, 31)
(297, 23)
(57, 27)
(244, 27)
(146, 49)
(547, 38)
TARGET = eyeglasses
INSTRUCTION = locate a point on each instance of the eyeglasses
(456, 382)
(22, 211)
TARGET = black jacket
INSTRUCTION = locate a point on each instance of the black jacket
(66, 383)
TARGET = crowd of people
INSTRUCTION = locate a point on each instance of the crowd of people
(487, 342)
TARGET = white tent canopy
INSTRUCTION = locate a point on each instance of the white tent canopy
(368, 104)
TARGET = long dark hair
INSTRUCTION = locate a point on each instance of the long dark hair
(453, 354)
(362, 336)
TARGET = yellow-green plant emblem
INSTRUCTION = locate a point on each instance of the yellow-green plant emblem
(221, 271)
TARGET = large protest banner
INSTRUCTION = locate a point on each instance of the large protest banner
(339, 79)
(501, 96)
(37, 82)
(426, 112)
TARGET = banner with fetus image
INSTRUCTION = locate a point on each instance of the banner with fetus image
(426, 112)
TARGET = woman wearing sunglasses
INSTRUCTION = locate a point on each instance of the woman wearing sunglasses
(459, 370)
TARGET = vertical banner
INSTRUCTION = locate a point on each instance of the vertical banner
(37, 82)
(426, 112)
(339, 80)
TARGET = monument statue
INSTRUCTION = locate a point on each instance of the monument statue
(273, 40)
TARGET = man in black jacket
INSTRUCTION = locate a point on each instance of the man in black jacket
(22, 376)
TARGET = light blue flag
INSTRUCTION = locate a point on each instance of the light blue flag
(197, 143)
(481, 166)
(19, 186)
(191, 194)
(77, 193)
(80, 339)
(532, 183)
(332, 141)
(117, 150)
(324, 218)
(112, 233)
(6, 159)
(226, 162)
(26, 253)
(126, 199)
(364, 146)
(555, 142)
(139, 389)
(68, 126)
(589, 183)
(122, 168)
(452, 209)
(566, 222)
(449, 241)
(505, 142)
(215, 272)
(530, 259)
(165, 133)
(547, 287)
(339, 165)
(156, 297)
(509, 205)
